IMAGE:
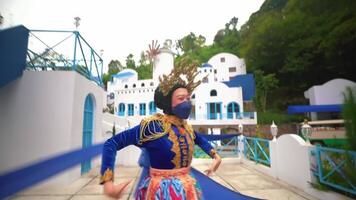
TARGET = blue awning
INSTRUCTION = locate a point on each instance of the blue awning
(314, 108)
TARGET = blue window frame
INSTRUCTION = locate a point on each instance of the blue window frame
(214, 110)
(142, 109)
(152, 107)
(232, 108)
(121, 109)
(130, 109)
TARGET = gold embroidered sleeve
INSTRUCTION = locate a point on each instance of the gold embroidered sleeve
(152, 128)
(107, 176)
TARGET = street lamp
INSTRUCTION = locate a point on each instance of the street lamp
(274, 130)
(241, 129)
(306, 131)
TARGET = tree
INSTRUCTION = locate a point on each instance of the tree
(264, 85)
(115, 66)
(143, 59)
(349, 115)
(130, 62)
(229, 38)
(190, 43)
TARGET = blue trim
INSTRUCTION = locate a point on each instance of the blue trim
(294, 109)
(247, 82)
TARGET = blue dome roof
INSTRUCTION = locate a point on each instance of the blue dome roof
(123, 74)
(206, 65)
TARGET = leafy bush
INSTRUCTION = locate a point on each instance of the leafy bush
(279, 118)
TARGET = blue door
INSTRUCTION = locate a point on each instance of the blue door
(87, 130)
(214, 110)
(232, 109)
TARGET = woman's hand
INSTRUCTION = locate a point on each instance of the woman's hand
(214, 166)
(115, 191)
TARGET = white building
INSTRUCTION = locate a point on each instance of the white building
(325, 101)
(217, 102)
(329, 94)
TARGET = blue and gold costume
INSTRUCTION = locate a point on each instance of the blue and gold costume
(168, 141)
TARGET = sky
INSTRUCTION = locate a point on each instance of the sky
(121, 27)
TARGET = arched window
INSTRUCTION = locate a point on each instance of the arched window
(213, 93)
(121, 109)
(193, 96)
(142, 84)
(232, 110)
(126, 86)
(134, 85)
(152, 108)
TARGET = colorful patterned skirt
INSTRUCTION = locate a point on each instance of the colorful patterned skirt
(170, 184)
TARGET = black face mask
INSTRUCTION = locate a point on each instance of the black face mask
(182, 110)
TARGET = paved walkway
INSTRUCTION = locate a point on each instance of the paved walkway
(234, 176)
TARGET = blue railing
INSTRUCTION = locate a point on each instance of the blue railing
(336, 168)
(50, 50)
(225, 145)
(257, 149)
(223, 116)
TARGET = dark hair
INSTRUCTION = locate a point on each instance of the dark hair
(165, 102)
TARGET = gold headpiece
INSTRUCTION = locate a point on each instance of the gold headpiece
(184, 68)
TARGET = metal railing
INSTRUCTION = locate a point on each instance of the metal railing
(50, 50)
(225, 148)
(336, 168)
(223, 116)
(257, 149)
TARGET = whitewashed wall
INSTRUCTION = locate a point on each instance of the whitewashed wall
(42, 116)
(231, 60)
(330, 92)
(225, 95)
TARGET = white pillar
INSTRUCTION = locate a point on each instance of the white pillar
(241, 147)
